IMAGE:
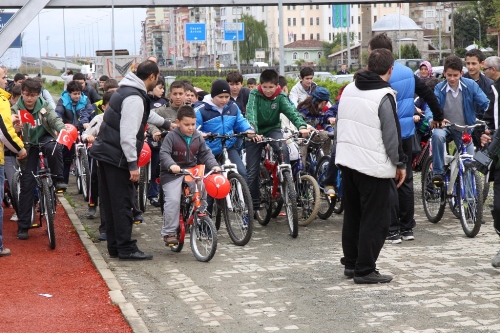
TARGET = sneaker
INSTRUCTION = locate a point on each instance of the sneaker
(91, 213)
(349, 273)
(438, 180)
(170, 240)
(495, 262)
(330, 190)
(138, 219)
(393, 238)
(5, 252)
(22, 233)
(155, 202)
(372, 278)
(60, 186)
(102, 236)
(14, 217)
(407, 235)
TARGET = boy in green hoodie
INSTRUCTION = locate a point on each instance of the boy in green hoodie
(264, 107)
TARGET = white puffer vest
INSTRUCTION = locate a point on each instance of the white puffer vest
(359, 136)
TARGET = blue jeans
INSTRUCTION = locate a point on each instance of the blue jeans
(253, 157)
(234, 157)
(438, 141)
(2, 180)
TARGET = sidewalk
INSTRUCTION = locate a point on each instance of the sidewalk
(57, 290)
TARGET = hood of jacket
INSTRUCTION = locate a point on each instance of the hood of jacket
(68, 102)
(209, 100)
(4, 93)
(133, 80)
(368, 80)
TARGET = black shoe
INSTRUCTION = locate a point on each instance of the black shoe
(102, 237)
(138, 219)
(22, 233)
(438, 180)
(91, 213)
(349, 273)
(60, 186)
(407, 235)
(155, 202)
(139, 255)
(372, 278)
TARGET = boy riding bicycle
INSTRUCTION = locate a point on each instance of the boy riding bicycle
(458, 98)
(183, 147)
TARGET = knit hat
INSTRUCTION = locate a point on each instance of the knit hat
(219, 87)
(320, 94)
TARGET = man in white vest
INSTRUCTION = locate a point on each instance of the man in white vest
(370, 154)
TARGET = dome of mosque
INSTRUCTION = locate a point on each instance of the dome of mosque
(395, 22)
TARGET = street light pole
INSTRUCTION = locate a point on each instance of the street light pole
(48, 37)
(113, 35)
(40, 45)
(64, 34)
(479, 24)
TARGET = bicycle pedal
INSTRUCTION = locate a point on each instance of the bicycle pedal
(35, 225)
(137, 222)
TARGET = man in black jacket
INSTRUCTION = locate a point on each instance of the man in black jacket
(117, 150)
(90, 92)
(239, 94)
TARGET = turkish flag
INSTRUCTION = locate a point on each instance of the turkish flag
(26, 117)
(65, 138)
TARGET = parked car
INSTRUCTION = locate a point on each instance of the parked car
(256, 76)
(412, 63)
(343, 78)
(260, 64)
(324, 76)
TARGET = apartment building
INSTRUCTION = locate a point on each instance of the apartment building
(155, 35)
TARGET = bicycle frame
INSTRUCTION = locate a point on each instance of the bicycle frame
(275, 168)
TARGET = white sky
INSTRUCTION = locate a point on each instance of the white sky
(79, 25)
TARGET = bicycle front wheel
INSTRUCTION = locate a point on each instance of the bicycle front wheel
(290, 201)
(48, 210)
(265, 188)
(308, 199)
(143, 187)
(471, 201)
(203, 238)
(433, 197)
(238, 218)
(84, 172)
(327, 203)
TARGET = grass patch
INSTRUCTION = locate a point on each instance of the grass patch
(92, 234)
(70, 201)
(55, 90)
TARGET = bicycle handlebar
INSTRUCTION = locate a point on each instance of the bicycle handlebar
(463, 128)
(38, 144)
(226, 136)
(186, 172)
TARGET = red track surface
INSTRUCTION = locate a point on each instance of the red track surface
(79, 302)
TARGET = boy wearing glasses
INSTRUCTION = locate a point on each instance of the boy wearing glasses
(47, 125)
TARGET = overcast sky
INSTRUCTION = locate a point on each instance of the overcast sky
(78, 30)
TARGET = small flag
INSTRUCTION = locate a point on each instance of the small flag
(26, 117)
(64, 138)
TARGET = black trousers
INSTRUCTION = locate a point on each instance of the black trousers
(117, 194)
(28, 181)
(403, 214)
(495, 171)
(331, 173)
(366, 219)
(94, 183)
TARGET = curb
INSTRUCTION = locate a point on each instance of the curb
(115, 290)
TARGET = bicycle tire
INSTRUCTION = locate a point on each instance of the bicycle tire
(84, 172)
(143, 187)
(338, 206)
(239, 222)
(471, 204)
(15, 191)
(203, 238)
(308, 199)
(276, 207)
(77, 169)
(217, 212)
(180, 245)
(433, 197)
(486, 187)
(48, 210)
(265, 188)
(453, 202)
(327, 203)
(290, 201)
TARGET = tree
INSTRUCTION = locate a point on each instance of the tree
(255, 38)
(410, 52)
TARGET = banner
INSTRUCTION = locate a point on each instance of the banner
(341, 16)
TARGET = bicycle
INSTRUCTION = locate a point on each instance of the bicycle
(462, 186)
(143, 186)
(277, 188)
(203, 236)
(308, 192)
(46, 192)
(82, 169)
(237, 208)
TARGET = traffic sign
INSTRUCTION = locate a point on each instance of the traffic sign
(196, 32)
(4, 18)
(230, 31)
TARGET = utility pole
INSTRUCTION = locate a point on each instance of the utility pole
(452, 26)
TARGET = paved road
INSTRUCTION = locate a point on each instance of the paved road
(443, 281)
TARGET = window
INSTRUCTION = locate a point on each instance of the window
(359, 19)
(294, 7)
(310, 6)
(429, 13)
(302, 21)
(317, 6)
(294, 37)
(287, 7)
(329, 20)
(330, 36)
(352, 19)
(289, 22)
(374, 5)
(306, 55)
(303, 36)
(294, 21)
(359, 36)
(429, 26)
(390, 4)
(319, 55)
(385, 5)
(317, 20)
(375, 19)
(311, 20)
(317, 37)
(294, 55)
(311, 36)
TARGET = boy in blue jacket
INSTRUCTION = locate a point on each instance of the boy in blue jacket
(218, 114)
(458, 98)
